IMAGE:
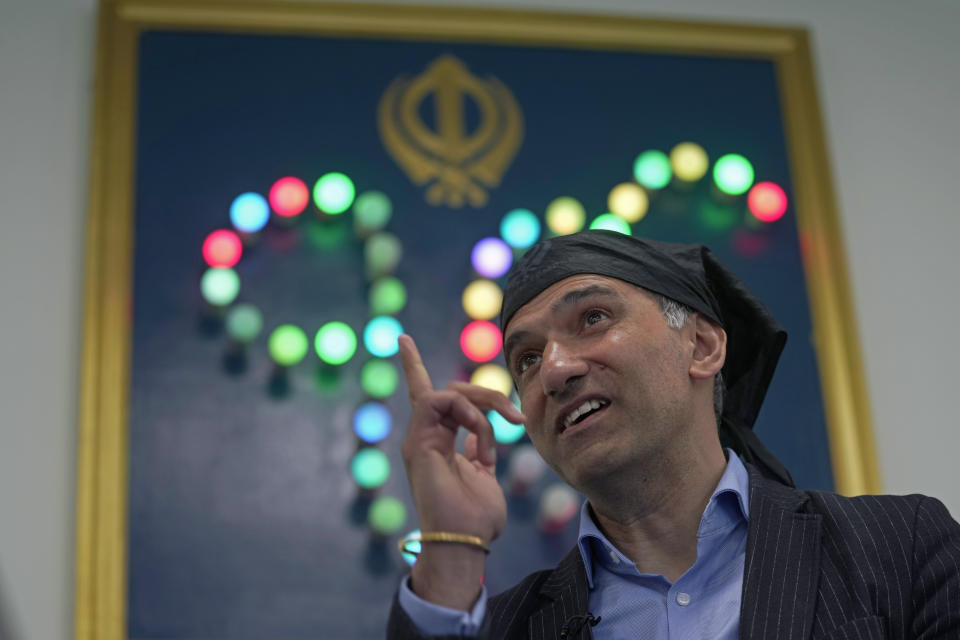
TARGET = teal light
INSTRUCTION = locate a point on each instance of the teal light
(413, 545)
(611, 222)
(380, 336)
(520, 228)
(370, 468)
(504, 432)
(387, 515)
(288, 345)
(335, 343)
(333, 193)
(220, 286)
(652, 169)
(244, 322)
(371, 211)
(733, 174)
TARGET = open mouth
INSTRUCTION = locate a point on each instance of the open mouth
(583, 411)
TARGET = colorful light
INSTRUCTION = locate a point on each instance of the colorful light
(372, 422)
(611, 222)
(558, 506)
(244, 322)
(335, 343)
(413, 545)
(220, 286)
(491, 257)
(222, 248)
(565, 215)
(387, 515)
(767, 201)
(504, 432)
(733, 174)
(629, 201)
(387, 296)
(481, 341)
(652, 169)
(524, 469)
(492, 376)
(520, 228)
(382, 252)
(333, 193)
(370, 468)
(249, 212)
(689, 161)
(379, 378)
(288, 345)
(371, 211)
(289, 196)
(481, 299)
(380, 336)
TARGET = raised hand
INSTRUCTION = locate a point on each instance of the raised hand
(453, 492)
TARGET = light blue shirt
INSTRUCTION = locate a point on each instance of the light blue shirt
(704, 603)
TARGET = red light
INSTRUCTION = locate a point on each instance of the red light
(222, 249)
(289, 196)
(767, 201)
(481, 341)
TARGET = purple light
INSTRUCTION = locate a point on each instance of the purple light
(491, 257)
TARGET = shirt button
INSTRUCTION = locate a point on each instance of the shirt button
(615, 557)
(683, 599)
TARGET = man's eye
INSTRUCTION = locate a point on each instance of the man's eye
(593, 316)
(526, 361)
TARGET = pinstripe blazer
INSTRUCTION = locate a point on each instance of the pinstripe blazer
(818, 566)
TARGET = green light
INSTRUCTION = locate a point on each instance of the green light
(288, 345)
(370, 468)
(382, 253)
(220, 286)
(244, 322)
(387, 296)
(333, 193)
(733, 174)
(387, 515)
(371, 211)
(717, 218)
(379, 378)
(611, 222)
(335, 343)
(520, 228)
(652, 169)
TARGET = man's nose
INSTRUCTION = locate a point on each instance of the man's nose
(560, 367)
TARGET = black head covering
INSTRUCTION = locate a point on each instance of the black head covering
(691, 275)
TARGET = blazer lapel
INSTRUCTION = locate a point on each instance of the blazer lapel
(568, 593)
(782, 565)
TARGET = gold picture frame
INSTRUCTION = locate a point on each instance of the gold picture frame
(101, 541)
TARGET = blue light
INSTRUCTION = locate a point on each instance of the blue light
(504, 432)
(414, 545)
(520, 228)
(249, 212)
(380, 336)
(372, 422)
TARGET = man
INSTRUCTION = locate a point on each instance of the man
(621, 351)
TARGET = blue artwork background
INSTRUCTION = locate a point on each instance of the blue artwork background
(244, 521)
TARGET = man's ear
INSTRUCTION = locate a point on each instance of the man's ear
(709, 348)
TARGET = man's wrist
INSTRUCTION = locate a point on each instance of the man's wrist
(448, 575)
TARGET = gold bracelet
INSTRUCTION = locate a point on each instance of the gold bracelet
(441, 536)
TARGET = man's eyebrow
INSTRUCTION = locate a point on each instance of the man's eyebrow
(569, 299)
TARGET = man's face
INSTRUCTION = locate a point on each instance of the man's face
(602, 379)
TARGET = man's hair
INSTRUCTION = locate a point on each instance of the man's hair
(676, 315)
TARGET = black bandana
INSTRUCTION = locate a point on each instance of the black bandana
(690, 275)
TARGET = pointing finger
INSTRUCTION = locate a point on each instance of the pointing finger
(418, 380)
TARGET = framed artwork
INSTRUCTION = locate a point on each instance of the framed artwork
(278, 189)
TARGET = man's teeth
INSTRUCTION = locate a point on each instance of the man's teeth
(586, 407)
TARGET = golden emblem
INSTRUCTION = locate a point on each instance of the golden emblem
(459, 165)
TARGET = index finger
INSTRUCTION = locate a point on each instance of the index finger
(418, 380)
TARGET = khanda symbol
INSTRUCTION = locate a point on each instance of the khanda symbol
(458, 164)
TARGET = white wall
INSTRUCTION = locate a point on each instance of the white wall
(890, 85)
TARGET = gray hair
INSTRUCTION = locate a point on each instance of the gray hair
(676, 315)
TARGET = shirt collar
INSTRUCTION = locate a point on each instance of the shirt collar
(727, 505)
